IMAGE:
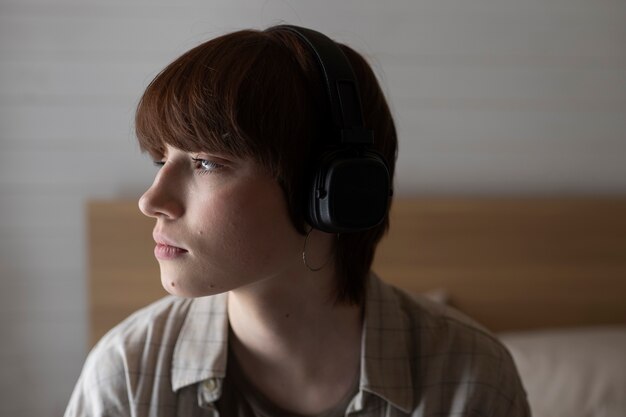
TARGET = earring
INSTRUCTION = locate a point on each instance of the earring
(309, 267)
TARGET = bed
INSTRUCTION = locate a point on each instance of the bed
(547, 275)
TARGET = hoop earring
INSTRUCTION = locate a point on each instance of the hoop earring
(309, 267)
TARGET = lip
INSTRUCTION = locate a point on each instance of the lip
(167, 249)
(167, 253)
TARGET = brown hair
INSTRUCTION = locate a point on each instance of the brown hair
(258, 94)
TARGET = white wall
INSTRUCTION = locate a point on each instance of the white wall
(490, 96)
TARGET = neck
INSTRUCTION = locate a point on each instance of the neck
(290, 329)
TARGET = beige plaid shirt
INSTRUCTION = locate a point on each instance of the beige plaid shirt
(417, 359)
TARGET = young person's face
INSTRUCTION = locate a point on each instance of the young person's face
(221, 223)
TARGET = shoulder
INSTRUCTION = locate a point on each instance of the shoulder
(440, 327)
(458, 364)
(134, 354)
(153, 324)
(437, 326)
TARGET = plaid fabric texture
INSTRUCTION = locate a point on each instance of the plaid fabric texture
(418, 358)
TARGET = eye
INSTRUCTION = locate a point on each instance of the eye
(205, 165)
(158, 164)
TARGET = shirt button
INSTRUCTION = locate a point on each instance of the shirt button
(209, 385)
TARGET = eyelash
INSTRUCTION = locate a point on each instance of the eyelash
(199, 162)
(212, 166)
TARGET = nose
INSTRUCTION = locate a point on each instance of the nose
(163, 198)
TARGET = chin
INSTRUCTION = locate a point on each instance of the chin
(187, 287)
(172, 286)
(175, 282)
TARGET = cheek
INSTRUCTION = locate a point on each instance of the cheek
(248, 230)
(264, 227)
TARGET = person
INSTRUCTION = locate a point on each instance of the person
(271, 312)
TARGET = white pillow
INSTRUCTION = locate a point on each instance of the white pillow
(438, 295)
(579, 372)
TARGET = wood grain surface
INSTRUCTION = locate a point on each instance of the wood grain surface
(509, 263)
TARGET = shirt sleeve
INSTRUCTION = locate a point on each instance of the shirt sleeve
(520, 407)
(466, 371)
(510, 397)
(515, 407)
(101, 389)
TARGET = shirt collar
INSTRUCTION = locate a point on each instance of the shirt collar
(201, 348)
(202, 345)
(385, 355)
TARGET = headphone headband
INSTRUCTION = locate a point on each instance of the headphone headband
(340, 84)
(350, 185)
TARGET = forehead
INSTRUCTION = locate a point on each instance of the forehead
(159, 145)
(171, 150)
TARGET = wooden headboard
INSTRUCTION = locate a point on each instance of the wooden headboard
(509, 263)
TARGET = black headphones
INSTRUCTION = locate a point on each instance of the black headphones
(351, 186)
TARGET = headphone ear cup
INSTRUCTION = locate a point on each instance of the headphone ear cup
(350, 193)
